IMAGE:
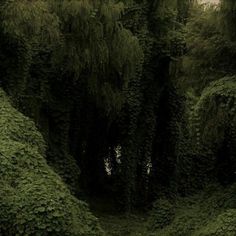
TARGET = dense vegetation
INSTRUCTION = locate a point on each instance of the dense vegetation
(34, 199)
(135, 108)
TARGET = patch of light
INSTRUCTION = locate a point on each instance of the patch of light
(107, 160)
(216, 2)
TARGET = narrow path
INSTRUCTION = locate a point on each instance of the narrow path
(115, 223)
(122, 225)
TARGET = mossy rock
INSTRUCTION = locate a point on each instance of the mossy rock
(33, 198)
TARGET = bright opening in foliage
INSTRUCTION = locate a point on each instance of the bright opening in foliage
(210, 1)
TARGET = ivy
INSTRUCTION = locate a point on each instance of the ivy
(34, 200)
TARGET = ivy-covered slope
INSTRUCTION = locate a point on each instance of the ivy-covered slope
(211, 212)
(209, 171)
(33, 199)
(213, 136)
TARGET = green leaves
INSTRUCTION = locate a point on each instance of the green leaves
(29, 20)
(206, 213)
(212, 121)
(33, 199)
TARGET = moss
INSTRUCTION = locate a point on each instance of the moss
(33, 198)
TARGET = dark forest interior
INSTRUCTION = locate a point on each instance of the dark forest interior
(117, 118)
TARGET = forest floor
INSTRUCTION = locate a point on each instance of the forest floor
(115, 223)
(123, 225)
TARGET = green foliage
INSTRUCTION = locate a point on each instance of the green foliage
(104, 47)
(228, 8)
(66, 167)
(162, 214)
(32, 21)
(210, 212)
(102, 81)
(210, 53)
(81, 64)
(33, 199)
(160, 34)
(214, 114)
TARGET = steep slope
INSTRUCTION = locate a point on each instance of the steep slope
(33, 199)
